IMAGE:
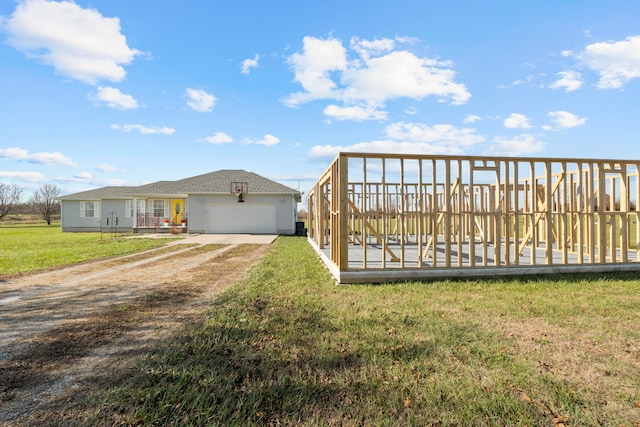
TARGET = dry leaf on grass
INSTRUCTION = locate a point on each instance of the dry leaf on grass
(407, 402)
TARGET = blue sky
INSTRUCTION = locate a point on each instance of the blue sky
(114, 92)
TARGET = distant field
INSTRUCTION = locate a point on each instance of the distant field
(286, 346)
(33, 247)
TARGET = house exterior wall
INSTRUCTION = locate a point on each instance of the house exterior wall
(113, 209)
(285, 205)
(71, 219)
(196, 206)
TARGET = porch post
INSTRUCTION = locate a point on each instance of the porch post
(135, 213)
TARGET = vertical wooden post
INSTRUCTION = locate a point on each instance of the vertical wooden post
(472, 218)
(496, 213)
(420, 214)
(343, 207)
(385, 216)
(434, 213)
(461, 221)
(507, 212)
(516, 213)
(637, 214)
(533, 246)
(447, 213)
(602, 223)
(364, 213)
(624, 209)
(562, 213)
(549, 213)
(400, 199)
(580, 225)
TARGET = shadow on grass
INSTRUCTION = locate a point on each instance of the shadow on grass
(619, 276)
(279, 363)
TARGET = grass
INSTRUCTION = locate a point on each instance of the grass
(35, 247)
(288, 347)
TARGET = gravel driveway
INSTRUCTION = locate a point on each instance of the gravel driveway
(69, 331)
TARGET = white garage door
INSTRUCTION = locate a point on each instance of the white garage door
(241, 218)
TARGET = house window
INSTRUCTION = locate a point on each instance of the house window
(141, 206)
(158, 208)
(128, 208)
(89, 209)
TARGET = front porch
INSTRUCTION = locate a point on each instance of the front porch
(148, 223)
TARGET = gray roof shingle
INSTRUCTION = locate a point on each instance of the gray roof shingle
(209, 183)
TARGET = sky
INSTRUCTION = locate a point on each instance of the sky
(115, 92)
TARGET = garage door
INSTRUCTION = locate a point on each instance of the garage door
(241, 218)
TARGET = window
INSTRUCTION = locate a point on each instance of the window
(159, 208)
(89, 209)
(141, 206)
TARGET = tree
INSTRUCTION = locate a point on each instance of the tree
(44, 201)
(10, 196)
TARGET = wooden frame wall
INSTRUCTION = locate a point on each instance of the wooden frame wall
(417, 216)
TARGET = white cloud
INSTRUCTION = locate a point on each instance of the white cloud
(471, 118)
(517, 121)
(219, 138)
(23, 176)
(442, 134)
(199, 100)
(113, 98)
(248, 64)
(268, 140)
(368, 48)
(144, 129)
(325, 71)
(569, 81)
(103, 167)
(528, 79)
(565, 120)
(385, 146)
(408, 138)
(524, 144)
(46, 158)
(356, 113)
(312, 69)
(110, 181)
(404, 75)
(615, 62)
(87, 178)
(79, 43)
(411, 110)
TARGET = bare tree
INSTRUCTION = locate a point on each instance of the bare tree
(44, 202)
(10, 196)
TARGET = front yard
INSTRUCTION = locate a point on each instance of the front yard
(286, 346)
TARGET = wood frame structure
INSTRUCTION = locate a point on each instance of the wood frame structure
(384, 217)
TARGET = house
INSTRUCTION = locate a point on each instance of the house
(226, 201)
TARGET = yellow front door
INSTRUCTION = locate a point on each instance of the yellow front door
(177, 209)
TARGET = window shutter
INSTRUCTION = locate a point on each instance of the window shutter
(167, 208)
(81, 209)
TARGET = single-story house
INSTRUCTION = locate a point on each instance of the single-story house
(226, 201)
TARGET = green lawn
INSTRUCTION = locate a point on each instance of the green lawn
(26, 248)
(285, 346)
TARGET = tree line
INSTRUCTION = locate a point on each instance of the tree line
(43, 202)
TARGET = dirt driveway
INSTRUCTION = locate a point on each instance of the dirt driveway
(69, 331)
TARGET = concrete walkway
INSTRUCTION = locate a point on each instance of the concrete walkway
(208, 239)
